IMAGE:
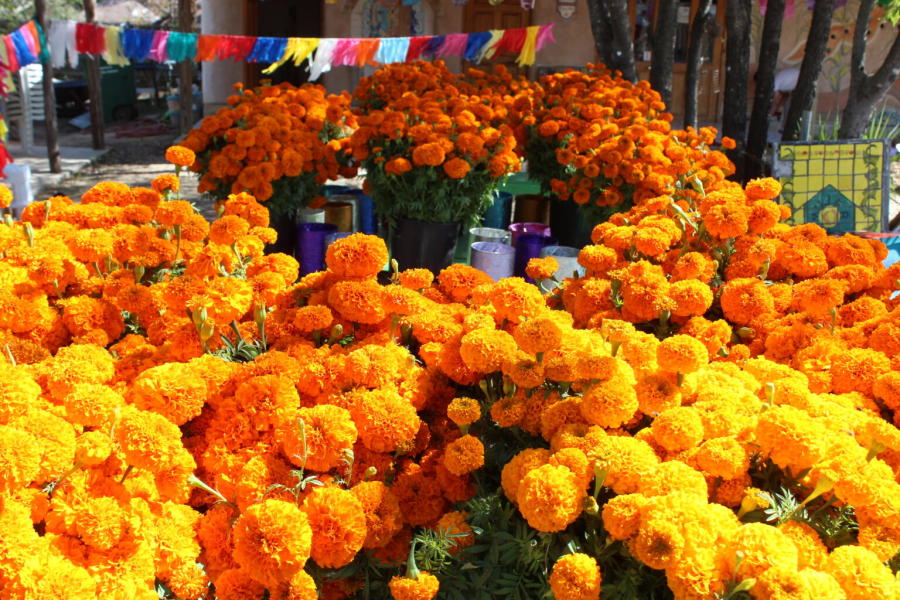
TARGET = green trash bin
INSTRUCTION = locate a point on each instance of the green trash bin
(119, 93)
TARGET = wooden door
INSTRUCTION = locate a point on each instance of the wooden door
(481, 15)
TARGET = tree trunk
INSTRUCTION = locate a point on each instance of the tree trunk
(664, 49)
(803, 96)
(867, 90)
(186, 68)
(94, 86)
(611, 27)
(600, 29)
(765, 88)
(695, 54)
(737, 73)
(53, 156)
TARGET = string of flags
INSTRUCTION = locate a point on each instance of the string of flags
(68, 39)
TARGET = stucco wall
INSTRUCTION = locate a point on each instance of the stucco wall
(221, 17)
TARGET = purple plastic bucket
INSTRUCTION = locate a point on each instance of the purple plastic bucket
(311, 245)
(519, 229)
(494, 258)
(530, 246)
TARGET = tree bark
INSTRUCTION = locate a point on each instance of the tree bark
(53, 156)
(737, 73)
(186, 68)
(765, 88)
(867, 90)
(664, 49)
(695, 54)
(804, 95)
(611, 27)
(94, 86)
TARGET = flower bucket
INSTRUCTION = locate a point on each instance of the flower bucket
(499, 213)
(570, 223)
(494, 258)
(420, 244)
(340, 213)
(529, 246)
(311, 245)
(519, 229)
(287, 234)
(489, 234)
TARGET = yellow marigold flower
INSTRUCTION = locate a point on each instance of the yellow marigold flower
(723, 457)
(423, 587)
(92, 448)
(18, 392)
(762, 547)
(180, 156)
(485, 350)
(624, 460)
(681, 354)
(338, 525)
(657, 393)
(678, 428)
(550, 498)
(609, 403)
(538, 335)
(6, 196)
(518, 467)
(575, 577)
(860, 573)
(92, 405)
(811, 549)
(20, 458)
(464, 455)
(272, 541)
(674, 476)
(622, 515)
(658, 544)
(464, 411)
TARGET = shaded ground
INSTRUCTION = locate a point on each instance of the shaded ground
(133, 161)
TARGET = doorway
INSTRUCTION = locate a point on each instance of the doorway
(482, 15)
(282, 18)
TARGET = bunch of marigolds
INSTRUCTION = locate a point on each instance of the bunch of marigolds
(711, 412)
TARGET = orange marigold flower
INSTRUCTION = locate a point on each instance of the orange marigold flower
(384, 419)
(423, 587)
(765, 188)
(326, 434)
(457, 168)
(338, 525)
(459, 281)
(272, 541)
(172, 390)
(542, 268)
(398, 166)
(166, 183)
(745, 299)
(678, 428)
(575, 577)
(358, 255)
(358, 301)
(550, 498)
(382, 509)
(464, 411)
(691, 296)
(312, 318)
(609, 403)
(180, 156)
(430, 154)
(464, 455)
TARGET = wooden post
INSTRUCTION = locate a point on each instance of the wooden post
(53, 156)
(186, 69)
(94, 86)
